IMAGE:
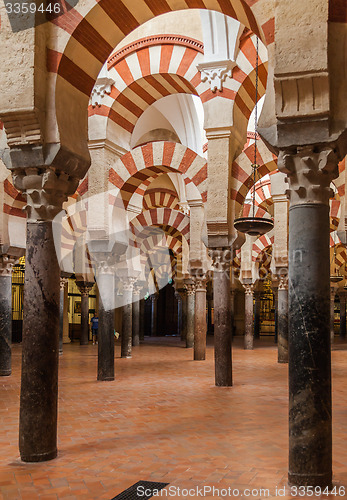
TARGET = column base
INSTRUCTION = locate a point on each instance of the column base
(42, 457)
(283, 361)
(5, 373)
(84, 343)
(106, 379)
(126, 357)
(322, 480)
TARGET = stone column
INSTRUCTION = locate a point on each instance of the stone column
(190, 287)
(200, 325)
(183, 295)
(282, 315)
(84, 288)
(154, 300)
(275, 295)
(6, 265)
(310, 171)
(248, 340)
(142, 319)
(127, 318)
(136, 315)
(66, 338)
(256, 315)
(342, 315)
(46, 189)
(222, 316)
(332, 313)
(232, 311)
(179, 313)
(106, 284)
(63, 282)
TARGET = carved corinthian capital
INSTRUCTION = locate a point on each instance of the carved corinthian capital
(310, 171)
(248, 289)
(46, 190)
(6, 265)
(222, 258)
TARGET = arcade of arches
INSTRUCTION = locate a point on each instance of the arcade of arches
(133, 133)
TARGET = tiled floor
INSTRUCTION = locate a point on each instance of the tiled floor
(163, 419)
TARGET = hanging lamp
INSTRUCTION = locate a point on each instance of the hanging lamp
(336, 276)
(252, 225)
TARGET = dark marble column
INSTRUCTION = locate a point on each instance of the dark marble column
(190, 287)
(332, 314)
(275, 304)
(222, 316)
(310, 171)
(248, 339)
(179, 313)
(40, 346)
(6, 264)
(282, 314)
(63, 282)
(209, 303)
(142, 319)
(342, 314)
(136, 315)
(256, 315)
(127, 319)
(183, 294)
(84, 288)
(154, 316)
(106, 284)
(200, 324)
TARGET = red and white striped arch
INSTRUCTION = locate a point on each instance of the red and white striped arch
(261, 245)
(145, 162)
(174, 223)
(163, 197)
(162, 65)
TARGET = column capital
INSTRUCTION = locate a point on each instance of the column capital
(248, 288)
(310, 170)
(190, 287)
(222, 258)
(83, 286)
(200, 283)
(283, 282)
(128, 283)
(6, 264)
(63, 282)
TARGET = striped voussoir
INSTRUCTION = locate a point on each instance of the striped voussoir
(155, 158)
(261, 245)
(154, 198)
(84, 36)
(156, 67)
(13, 200)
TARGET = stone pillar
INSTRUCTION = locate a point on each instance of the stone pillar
(256, 315)
(332, 313)
(127, 318)
(342, 315)
(66, 338)
(310, 171)
(6, 265)
(154, 300)
(282, 315)
(84, 288)
(222, 316)
(200, 325)
(232, 311)
(275, 295)
(190, 287)
(248, 340)
(136, 316)
(106, 283)
(63, 282)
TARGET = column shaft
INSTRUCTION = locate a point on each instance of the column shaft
(5, 324)
(142, 319)
(154, 300)
(127, 323)
(282, 315)
(61, 316)
(190, 316)
(106, 328)
(256, 315)
(248, 340)
(332, 314)
(310, 431)
(184, 316)
(40, 347)
(200, 325)
(84, 339)
(222, 331)
(342, 316)
(136, 320)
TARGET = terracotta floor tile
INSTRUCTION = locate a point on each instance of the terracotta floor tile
(163, 419)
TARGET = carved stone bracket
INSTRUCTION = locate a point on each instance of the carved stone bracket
(310, 172)
(216, 72)
(102, 86)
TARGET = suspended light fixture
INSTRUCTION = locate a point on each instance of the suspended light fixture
(336, 276)
(252, 225)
